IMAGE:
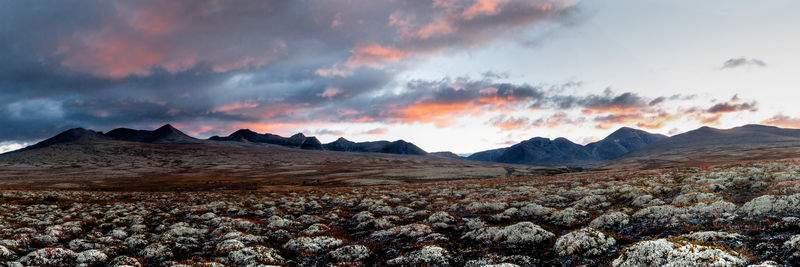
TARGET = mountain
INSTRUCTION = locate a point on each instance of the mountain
(621, 142)
(163, 135)
(396, 147)
(543, 151)
(75, 135)
(488, 155)
(560, 151)
(297, 141)
(445, 154)
(708, 145)
(167, 159)
(301, 141)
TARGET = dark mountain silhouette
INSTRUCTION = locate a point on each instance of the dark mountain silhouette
(708, 145)
(488, 155)
(560, 151)
(396, 147)
(301, 141)
(242, 138)
(75, 135)
(164, 135)
(297, 141)
(167, 159)
(544, 151)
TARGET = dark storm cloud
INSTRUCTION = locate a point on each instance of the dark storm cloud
(441, 101)
(104, 64)
(743, 62)
(733, 107)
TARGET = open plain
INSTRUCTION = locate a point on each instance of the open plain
(726, 215)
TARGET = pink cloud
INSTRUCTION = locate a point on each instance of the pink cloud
(483, 8)
(373, 55)
(331, 92)
(377, 131)
(236, 106)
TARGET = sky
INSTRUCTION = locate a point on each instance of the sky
(446, 75)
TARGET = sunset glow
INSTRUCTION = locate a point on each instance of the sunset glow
(467, 75)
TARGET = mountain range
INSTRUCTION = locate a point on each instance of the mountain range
(167, 158)
(560, 151)
(623, 148)
(168, 134)
(711, 146)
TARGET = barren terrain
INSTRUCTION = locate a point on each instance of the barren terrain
(731, 215)
(118, 165)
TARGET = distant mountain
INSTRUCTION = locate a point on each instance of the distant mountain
(167, 159)
(242, 138)
(298, 140)
(708, 145)
(560, 151)
(75, 135)
(163, 135)
(445, 154)
(488, 155)
(543, 151)
(396, 147)
(621, 142)
(301, 141)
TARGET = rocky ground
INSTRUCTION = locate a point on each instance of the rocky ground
(739, 215)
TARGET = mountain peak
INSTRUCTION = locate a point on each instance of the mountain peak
(68, 136)
(243, 132)
(167, 128)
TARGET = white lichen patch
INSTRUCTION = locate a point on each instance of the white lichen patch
(519, 234)
(586, 242)
(662, 252)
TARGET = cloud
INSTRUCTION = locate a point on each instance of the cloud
(377, 131)
(648, 121)
(784, 121)
(324, 132)
(733, 105)
(742, 62)
(511, 123)
(213, 66)
(11, 146)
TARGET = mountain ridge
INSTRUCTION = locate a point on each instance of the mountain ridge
(561, 151)
(167, 134)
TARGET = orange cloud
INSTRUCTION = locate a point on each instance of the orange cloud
(437, 27)
(236, 106)
(483, 7)
(440, 114)
(363, 119)
(783, 121)
(373, 55)
(202, 129)
(655, 121)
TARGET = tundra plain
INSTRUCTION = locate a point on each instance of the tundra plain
(725, 215)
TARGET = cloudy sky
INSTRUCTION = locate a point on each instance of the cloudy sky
(457, 75)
